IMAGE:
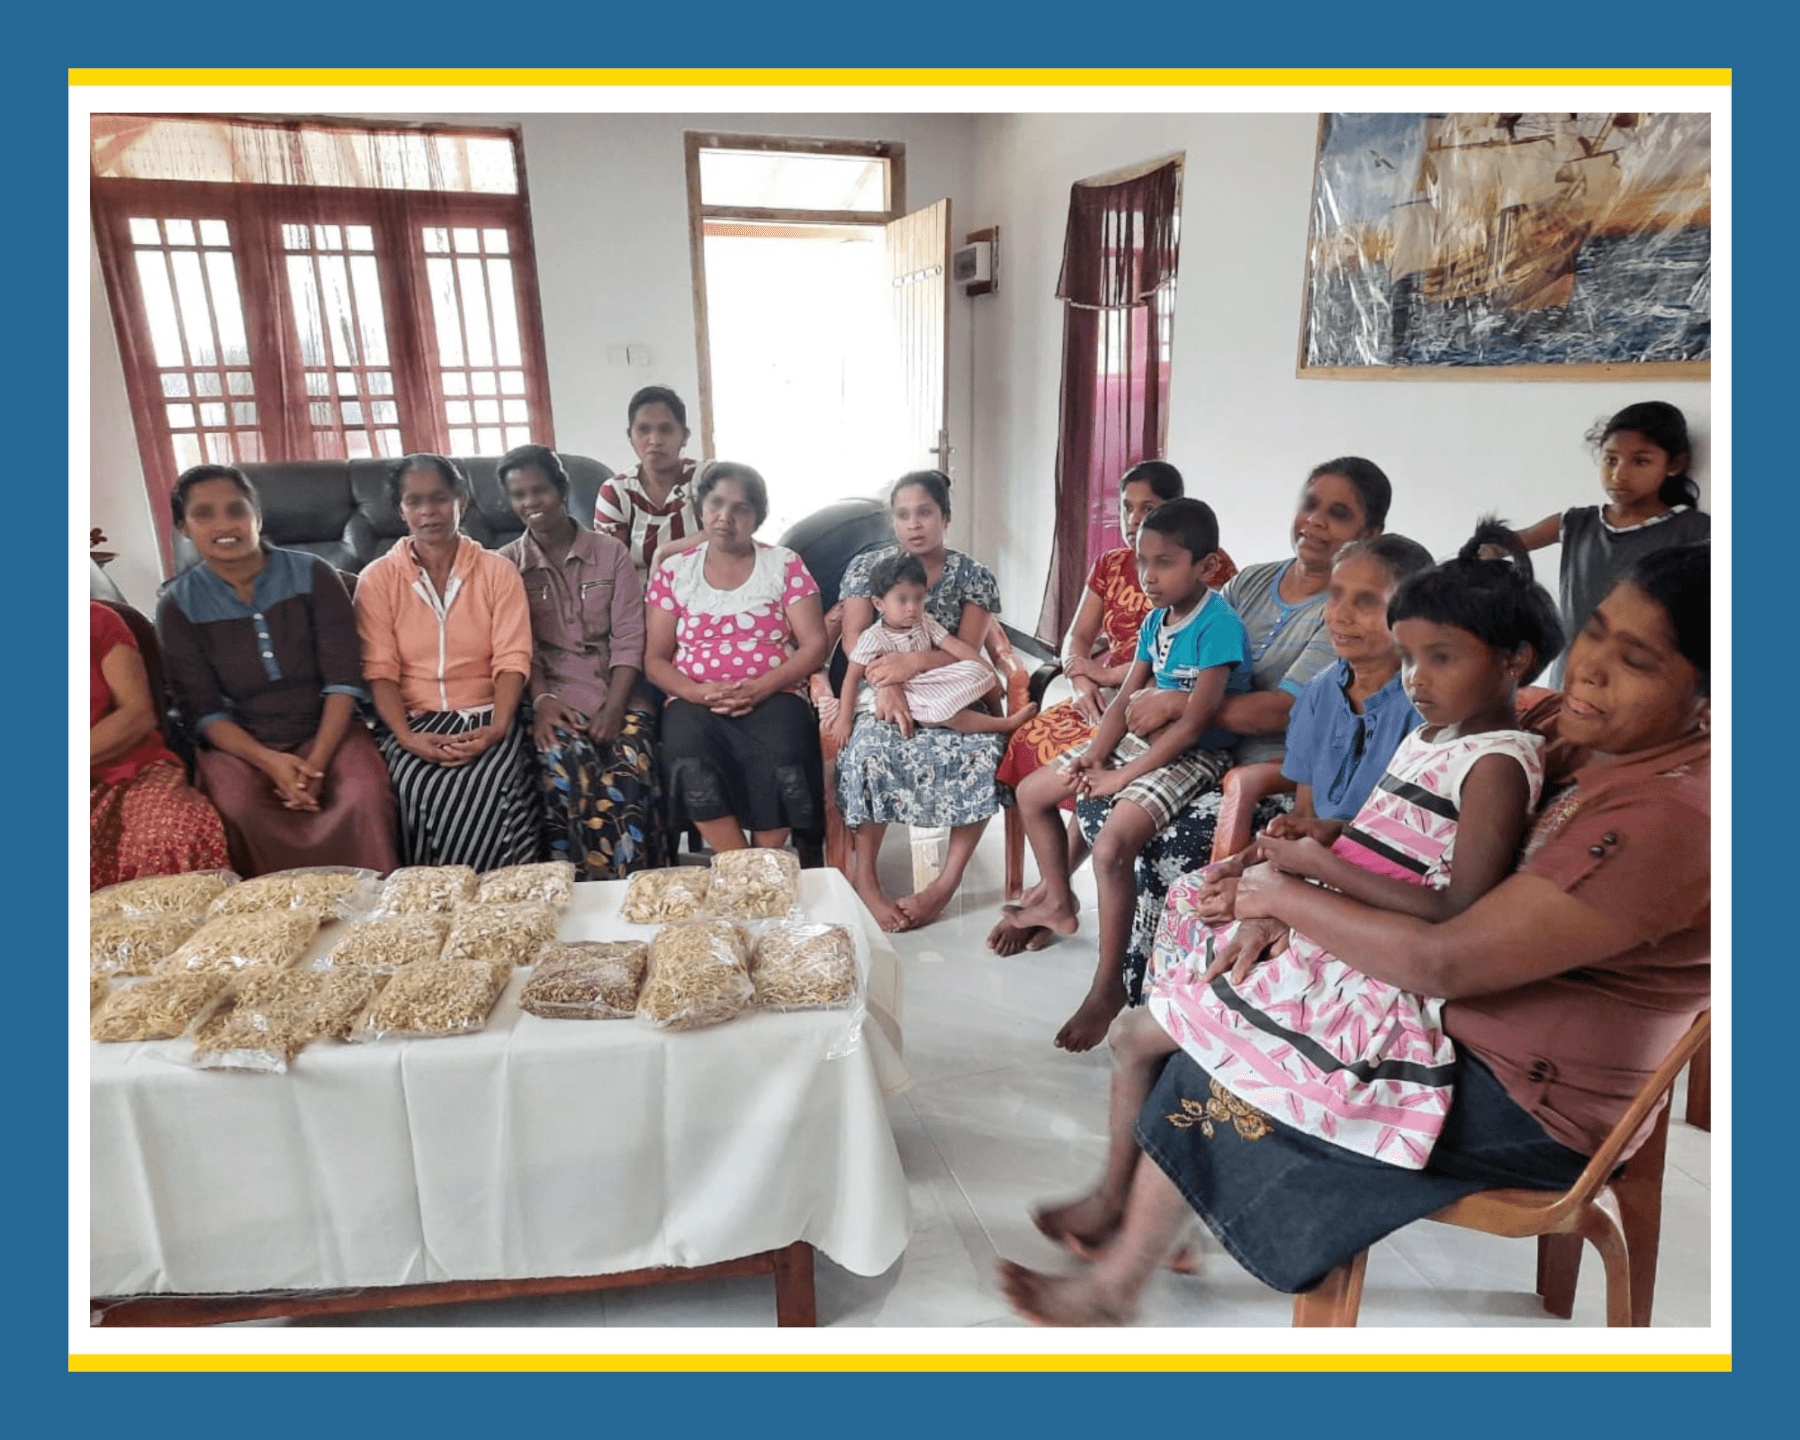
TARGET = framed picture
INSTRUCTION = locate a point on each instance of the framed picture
(1548, 246)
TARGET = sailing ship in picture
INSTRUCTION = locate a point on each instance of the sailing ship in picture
(1510, 239)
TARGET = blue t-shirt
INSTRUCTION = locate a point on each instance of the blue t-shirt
(1336, 751)
(1212, 635)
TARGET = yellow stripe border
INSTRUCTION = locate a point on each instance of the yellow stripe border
(897, 77)
(1033, 1364)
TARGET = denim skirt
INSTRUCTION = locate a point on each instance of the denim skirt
(1290, 1208)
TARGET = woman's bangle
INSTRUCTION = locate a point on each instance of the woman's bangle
(547, 695)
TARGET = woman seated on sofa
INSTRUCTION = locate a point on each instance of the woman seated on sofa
(734, 632)
(261, 650)
(446, 645)
(596, 758)
(143, 816)
(1568, 983)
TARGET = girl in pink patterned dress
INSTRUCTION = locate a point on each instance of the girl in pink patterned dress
(1320, 1046)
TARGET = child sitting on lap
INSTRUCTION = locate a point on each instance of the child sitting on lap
(939, 696)
(1192, 641)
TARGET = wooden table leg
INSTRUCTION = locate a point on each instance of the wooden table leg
(795, 1301)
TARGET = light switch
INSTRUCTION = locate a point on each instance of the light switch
(637, 354)
(618, 355)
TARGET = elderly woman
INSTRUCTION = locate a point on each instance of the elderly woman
(143, 816)
(446, 644)
(889, 773)
(1568, 983)
(1282, 605)
(734, 631)
(596, 758)
(262, 654)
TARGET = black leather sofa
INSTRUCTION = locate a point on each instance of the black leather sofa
(338, 509)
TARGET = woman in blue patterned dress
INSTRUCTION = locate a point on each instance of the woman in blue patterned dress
(889, 772)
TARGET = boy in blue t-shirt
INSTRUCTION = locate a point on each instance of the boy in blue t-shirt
(1191, 641)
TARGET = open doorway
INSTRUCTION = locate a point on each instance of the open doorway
(820, 310)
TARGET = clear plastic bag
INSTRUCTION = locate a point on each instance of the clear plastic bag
(754, 884)
(805, 967)
(653, 896)
(276, 938)
(699, 975)
(332, 892)
(432, 1000)
(159, 1008)
(550, 882)
(385, 944)
(136, 944)
(187, 894)
(587, 980)
(99, 986)
(502, 935)
(268, 1018)
(436, 889)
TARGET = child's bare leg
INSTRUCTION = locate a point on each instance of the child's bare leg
(1139, 1045)
(1127, 830)
(1008, 937)
(865, 846)
(1156, 1215)
(1042, 792)
(980, 722)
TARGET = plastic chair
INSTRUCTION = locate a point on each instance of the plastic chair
(1622, 1216)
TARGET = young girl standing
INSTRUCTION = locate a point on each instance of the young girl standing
(1652, 504)
(1347, 1059)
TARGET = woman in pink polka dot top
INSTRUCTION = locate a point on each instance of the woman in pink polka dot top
(734, 630)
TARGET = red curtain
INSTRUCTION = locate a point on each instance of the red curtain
(1117, 284)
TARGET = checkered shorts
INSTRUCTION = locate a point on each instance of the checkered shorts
(1165, 791)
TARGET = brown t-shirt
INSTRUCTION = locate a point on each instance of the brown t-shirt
(1631, 837)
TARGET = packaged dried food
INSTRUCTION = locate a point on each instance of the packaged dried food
(699, 975)
(135, 944)
(270, 1016)
(159, 1008)
(384, 944)
(754, 884)
(329, 891)
(435, 999)
(503, 935)
(98, 987)
(653, 896)
(230, 942)
(435, 888)
(187, 894)
(804, 967)
(587, 980)
(551, 882)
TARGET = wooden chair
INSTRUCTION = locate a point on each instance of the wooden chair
(1621, 1215)
(1015, 678)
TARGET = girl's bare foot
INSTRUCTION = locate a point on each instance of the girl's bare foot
(1087, 1027)
(889, 916)
(1082, 1227)
(1064, 916)
(1062, 1300)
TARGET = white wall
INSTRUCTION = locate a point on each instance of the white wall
(1243, 429)
(608, 200)
(609, 213)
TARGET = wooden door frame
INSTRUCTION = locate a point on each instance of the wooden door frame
(698, 214)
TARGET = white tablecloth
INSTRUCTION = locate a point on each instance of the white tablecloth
(536, 1147)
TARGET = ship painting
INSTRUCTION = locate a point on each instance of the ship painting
(1510, 239)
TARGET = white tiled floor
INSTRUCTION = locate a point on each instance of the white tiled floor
(997, 1119)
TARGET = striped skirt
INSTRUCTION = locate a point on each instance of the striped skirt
(484, 814)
